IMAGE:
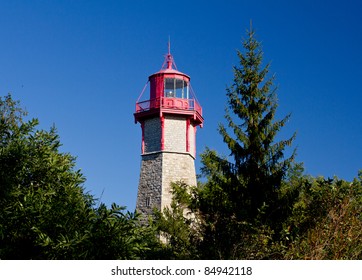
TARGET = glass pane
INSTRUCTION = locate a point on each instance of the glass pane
(176, 88)
(170, 87)
(179, 83)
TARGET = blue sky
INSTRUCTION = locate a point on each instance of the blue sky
(81, 65)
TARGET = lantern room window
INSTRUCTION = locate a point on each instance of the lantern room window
(176, 88)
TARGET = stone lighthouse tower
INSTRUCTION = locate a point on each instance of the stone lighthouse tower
(168, 118)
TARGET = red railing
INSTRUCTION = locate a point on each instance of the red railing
(169, 103)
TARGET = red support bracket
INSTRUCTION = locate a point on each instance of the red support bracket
(162, 133)
(188, 135)
(143, 137)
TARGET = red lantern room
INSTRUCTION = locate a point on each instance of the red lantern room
(170, 93)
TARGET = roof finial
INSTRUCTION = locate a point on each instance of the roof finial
(169, 45)
(169, 63)
(169, 56)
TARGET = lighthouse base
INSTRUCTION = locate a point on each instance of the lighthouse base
(158, 171)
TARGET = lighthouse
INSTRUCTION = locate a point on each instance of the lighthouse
(169, 118)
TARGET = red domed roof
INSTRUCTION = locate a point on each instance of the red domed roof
(169, 67)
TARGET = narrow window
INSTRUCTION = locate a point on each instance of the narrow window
(148, 201)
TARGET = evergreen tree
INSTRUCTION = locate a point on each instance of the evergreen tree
(258, 165)
(240, 197)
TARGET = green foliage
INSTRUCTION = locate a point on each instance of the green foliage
(45, 213)
(118, 235)
(178, 225)
(42, 193)
(326, 222)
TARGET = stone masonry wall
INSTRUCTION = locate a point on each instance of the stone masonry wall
(158, 171)
(150, 184)
(152, 135)
(176, 167)
(175, 134)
